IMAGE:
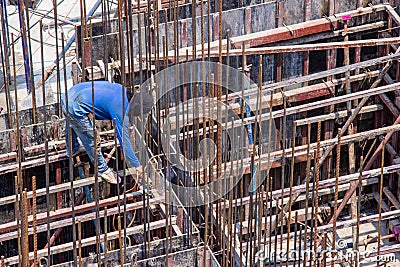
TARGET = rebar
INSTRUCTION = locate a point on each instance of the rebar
(287, 200)
(80, 243)
(34, 224)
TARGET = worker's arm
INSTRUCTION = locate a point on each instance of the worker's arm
(126, 142)
(115, 106)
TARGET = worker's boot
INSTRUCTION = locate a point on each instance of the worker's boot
(110, 176)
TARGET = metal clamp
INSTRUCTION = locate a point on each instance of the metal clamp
(287, 27)
(329, 88)
(129, 243)
(330, 22)
(134, 260)
(43, 259)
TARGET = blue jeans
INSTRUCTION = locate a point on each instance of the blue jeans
(83, 129)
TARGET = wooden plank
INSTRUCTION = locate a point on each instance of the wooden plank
(52, 190)
(293, 48)
(327, 185)
(53, 157)
(297, 30)
(391, 198)
(301, 150)
(393, 14)
(389, 104)
(344, 224)
(336, 115)
(66, 222)
(303, 107)
(392, 223)
(293, 95)
(265, 222)
(323, 192)
(330, 35)
(66, 212)
(92, 240)
(330, 101)
(299, 80)
(326, 73)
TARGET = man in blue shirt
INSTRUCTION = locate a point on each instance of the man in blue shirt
(107, 106)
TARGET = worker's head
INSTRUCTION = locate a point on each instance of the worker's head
(140, 102)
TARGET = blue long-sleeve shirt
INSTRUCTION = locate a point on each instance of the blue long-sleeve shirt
(107, 106)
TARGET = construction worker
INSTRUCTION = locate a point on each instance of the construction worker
(107, 106)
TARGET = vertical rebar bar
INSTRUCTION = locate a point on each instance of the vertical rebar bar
(79, 243)
(25, 45)
(219, 114)
(18, 134)
(31, 76)
(84, 35)
(105, 237)
(57, 58)
(324, 246)
(337, 174)
(24, 231)
(96, 151)
(104, 17)
(300, 254)
(316, 182)
(34, 207)
(283, 166)
(359, 203)
(121, 249)
(70, 157)
(19, 179)
(18, 215)
(5, 60)
(380, 200)
(46, 145)
(291, 193)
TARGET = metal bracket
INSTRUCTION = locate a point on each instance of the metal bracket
(329, 88)
(287, 27)
(43, 259)
(134, 259)
(330, 22)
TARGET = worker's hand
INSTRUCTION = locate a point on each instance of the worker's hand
(139, 170)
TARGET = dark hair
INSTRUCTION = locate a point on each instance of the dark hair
(140, 99)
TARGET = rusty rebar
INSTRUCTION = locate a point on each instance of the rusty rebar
(316, 197)
(24, 231)
(380, 198)
(34, 210)
(105, 237)
(337, 174)
(121, 248)
(80, 243)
